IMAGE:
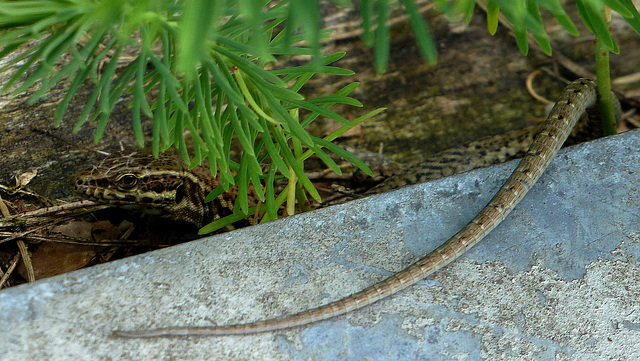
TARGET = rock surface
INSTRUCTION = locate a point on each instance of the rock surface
(557, 280)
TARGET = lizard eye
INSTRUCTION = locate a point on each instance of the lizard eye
(127, 181)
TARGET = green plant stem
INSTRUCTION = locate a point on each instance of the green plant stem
(607, 112)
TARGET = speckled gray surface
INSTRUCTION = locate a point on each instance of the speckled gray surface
(558, 280)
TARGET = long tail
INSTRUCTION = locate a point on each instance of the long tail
(574, 100)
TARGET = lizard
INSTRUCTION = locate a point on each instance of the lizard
(573, 102)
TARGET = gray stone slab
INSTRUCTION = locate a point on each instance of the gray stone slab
(558, 280)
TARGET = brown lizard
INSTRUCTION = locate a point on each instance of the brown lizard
(573, 102)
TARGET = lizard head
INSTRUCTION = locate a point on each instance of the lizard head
(139, 181)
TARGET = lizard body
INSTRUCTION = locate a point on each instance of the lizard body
(487, 151)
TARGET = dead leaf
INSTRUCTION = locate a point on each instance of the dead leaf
(25, 178)
(51, 259)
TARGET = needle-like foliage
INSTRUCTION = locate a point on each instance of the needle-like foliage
(206, 67)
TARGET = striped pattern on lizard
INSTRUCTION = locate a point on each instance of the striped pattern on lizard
(164, 186)
(573, 102)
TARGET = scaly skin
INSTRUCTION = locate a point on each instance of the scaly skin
(573, 102)
(164, 186)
